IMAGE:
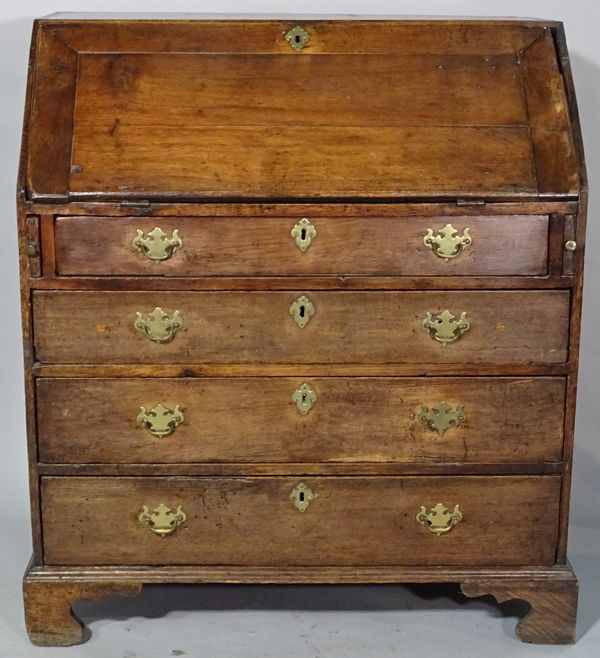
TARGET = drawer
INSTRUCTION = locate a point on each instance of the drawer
(301, 327)
(334, 246)
(294, 419)
(506, 520)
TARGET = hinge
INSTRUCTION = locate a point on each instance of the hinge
(470, 202)
(135, 203)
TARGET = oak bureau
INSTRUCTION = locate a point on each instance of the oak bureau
(301, 304)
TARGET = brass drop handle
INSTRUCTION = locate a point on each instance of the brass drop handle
(439, 520)
(162, 520)
(159, 327)
(442, 417)
(160, 421)
(157, 245)
(446, 242)
(445, 327)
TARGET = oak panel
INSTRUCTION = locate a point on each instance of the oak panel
(190, 91)
(345, 162)
(556, 167)
(509, 520)
(253, 419)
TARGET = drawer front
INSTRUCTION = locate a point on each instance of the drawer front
(506, 520)
(311, 419)
(301, 327)
(265, 246)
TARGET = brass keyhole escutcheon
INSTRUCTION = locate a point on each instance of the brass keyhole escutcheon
(439, 520)
(297, 37)
(302, 496)
(304, 397)
(445, 327)
(447, 243)
(302, 311)
(303, 233)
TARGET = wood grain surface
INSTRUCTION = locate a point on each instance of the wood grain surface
(374, 131)
(361, 113)
(347, 327)
(253, 419)
(263, 246)
(508, 520)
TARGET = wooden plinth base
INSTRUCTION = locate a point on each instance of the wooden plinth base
(50, 592)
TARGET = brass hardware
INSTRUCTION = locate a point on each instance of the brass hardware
(302, 496)
(297, 37)
(157, 246)
(439, 520)
(304, 397)
(570, 245)
(445, 327)
(32, 249)
(302, 310)
(160, 421)
(158, 326)
(441, 417)
(447, 243)
(304, 233)
(162, 520)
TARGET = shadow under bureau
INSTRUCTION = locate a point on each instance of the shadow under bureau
(301, 304)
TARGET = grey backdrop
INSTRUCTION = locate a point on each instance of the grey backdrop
(305, 622)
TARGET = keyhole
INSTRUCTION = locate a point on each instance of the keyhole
(303, 234)
(297, 38)
(302, 311)
(303, 397)
(301, 496)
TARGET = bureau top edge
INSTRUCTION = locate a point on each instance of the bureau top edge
(258, 16)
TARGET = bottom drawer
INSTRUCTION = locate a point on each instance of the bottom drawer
(257, 521)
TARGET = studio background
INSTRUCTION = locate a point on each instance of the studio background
(301, 622)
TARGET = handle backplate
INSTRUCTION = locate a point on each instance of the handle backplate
(160, 421)
(445, 327)
(159, 327)
(157, 245)
(162, 520)
(442, 417)
(439, 520)
(447, 243)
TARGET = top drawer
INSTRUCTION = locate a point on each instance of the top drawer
(289, 246)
